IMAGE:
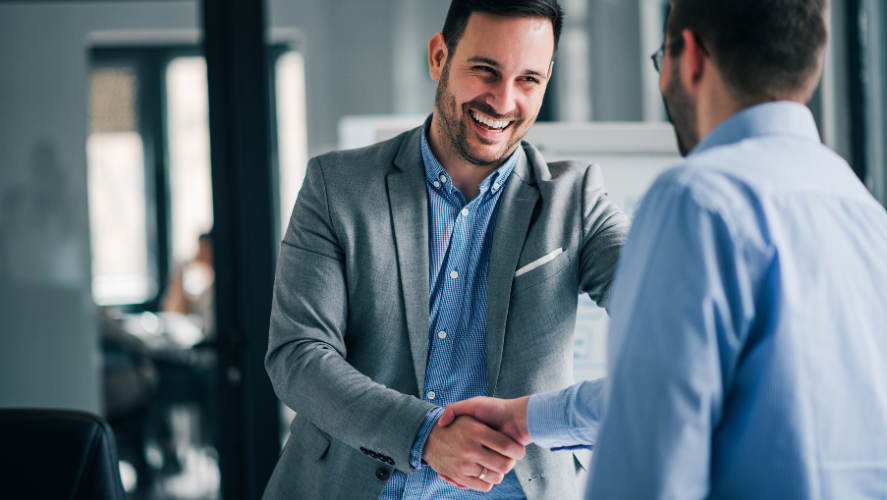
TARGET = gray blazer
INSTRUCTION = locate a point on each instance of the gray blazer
(349, 326)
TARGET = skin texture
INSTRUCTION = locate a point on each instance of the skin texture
(695, 94)
(500, 68)
(506, 415)
(460, 451)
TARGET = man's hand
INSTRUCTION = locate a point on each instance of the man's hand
(461, 451)
(508, 416)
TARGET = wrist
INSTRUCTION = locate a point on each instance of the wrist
(519, 412)
(420, 445)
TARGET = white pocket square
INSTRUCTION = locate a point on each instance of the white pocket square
(539, 262)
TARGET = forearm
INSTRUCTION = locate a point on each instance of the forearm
(307, 366)
(567, 418)
(324, 388)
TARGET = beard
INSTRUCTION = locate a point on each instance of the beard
(681, 111)
(454, 129)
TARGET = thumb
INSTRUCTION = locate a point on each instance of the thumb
(452, 411)
(447, 417)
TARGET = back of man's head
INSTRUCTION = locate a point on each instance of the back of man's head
(461, 10)
(765, 49)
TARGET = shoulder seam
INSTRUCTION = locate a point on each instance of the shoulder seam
(326, 196)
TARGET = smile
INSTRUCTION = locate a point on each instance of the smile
(489, 124)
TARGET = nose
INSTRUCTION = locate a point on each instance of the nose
(503, 97)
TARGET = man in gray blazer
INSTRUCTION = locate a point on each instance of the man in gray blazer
(443, 264)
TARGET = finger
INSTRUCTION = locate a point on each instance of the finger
(454, 483)
(473, 483)
(494, 462)
(484, 458)
(454, 410)
(502, 444)
(447, 417)
(493, 477)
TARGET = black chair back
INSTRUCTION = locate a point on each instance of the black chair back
(52, 454)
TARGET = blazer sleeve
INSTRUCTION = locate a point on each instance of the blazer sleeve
(307, 357)
(605, 230)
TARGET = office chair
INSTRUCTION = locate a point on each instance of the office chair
(52, 454)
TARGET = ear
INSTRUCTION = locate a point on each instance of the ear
(550, 69)
(437, 56)
(694, 62)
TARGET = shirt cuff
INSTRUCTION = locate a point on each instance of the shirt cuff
(556, 422)
(547, 421)
(419, 444)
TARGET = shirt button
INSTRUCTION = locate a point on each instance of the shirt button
(464, 212)
(436, 184)
(442, 334)
(454, 274)
(443, 178)
(431, 394)
(496, 186)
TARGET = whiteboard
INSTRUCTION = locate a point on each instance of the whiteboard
(631, 155)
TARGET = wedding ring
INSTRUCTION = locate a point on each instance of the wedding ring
(483, 473)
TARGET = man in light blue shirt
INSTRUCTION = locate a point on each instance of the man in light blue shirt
(748, 341)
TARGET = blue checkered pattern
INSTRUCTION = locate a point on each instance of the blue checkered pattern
(461, 241)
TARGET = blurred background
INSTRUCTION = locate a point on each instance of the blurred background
(151, 151)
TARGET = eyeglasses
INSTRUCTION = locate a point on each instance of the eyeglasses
(658, 57)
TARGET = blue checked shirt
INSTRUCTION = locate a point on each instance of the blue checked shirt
(749, 329)
(461, 241)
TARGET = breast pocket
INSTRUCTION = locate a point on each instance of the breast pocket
(539, 270)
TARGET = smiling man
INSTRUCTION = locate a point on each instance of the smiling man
(441, 265)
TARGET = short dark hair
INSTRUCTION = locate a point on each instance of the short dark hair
(764, 48)
(461, 10)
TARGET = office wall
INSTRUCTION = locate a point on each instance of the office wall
(362, 58)
(48, 338)
(616, 80)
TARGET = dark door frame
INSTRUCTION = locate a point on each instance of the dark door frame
(244, 240)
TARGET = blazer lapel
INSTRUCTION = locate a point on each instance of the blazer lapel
(408, 199)
(512, 224)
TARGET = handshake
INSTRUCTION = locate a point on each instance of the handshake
(477, 442)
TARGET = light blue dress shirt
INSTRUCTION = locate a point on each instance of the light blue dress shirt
(748, 340)
(461, 242)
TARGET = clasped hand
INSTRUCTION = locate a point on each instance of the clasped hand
(477, 442)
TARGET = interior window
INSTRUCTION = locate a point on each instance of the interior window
(117, 204)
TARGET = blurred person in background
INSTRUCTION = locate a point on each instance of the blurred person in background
(191, 291)
(748, 322)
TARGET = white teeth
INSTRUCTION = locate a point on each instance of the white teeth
(495, 124)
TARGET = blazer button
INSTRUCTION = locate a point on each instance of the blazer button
(389, 460)
(382, 473)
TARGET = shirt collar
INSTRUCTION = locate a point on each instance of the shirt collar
(772, 118)
(434, 172)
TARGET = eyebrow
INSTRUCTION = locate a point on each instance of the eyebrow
(495, 64)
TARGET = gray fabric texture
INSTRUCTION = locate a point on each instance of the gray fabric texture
(348, 344)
